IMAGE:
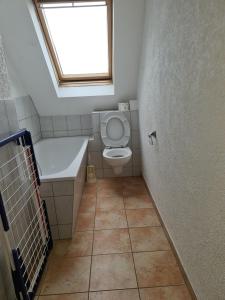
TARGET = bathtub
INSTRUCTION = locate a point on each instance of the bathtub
(62, 169)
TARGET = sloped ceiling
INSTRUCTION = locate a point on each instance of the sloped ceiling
(26, 56)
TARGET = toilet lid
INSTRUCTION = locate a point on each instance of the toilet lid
(115, 129)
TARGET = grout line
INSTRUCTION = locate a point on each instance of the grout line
(138, 288)
(118, 228)
(89, 286)
(111, 290)
(127, 252)
(147, 287)
(132, 252)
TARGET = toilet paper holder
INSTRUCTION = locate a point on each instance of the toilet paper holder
(152, 137)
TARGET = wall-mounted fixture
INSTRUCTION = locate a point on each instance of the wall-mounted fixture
(152, 137)
(115, 133)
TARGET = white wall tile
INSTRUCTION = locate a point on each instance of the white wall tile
(136, 139)
(59, 123)
(74, 122)
(136, 157)
(36, 138)
(20, 108)
(127, 172)
(46, 189)
(64, 209)
(55, 232)
(65, 231)
(127, 115)
(27, 116)
(63, 188)
(108, 173)
(86, 122)
(95, 143)
(95, 122)
(135, 120)
(61, 133)
(47, 134)
(105, 164)
(74, 132)
(46, 123)
(87, 132)
(137, 170)
(51, 210)
(95, 158)
(99, 173)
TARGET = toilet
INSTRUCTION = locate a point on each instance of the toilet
(115, 134)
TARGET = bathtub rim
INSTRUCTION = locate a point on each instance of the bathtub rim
(71, 172)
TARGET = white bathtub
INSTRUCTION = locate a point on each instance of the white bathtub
(60, 158)
(62, 163)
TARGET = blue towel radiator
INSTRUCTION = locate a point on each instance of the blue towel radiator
(25, 224)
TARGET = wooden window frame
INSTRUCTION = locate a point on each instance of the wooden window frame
(84, 79)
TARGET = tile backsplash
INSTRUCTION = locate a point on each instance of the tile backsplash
(28, 116)
(75, 125)
(72, 125)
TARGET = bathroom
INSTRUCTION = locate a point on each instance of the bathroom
(129, 164)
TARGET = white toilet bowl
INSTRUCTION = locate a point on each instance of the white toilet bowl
(117, 158)
(115, 133)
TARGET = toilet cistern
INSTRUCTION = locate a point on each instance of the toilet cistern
(115, 134)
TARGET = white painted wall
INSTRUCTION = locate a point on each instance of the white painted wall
(182, 97)
(26, 55)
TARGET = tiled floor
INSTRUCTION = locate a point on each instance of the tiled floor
(119, 252)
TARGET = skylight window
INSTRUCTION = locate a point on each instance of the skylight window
(79, 38)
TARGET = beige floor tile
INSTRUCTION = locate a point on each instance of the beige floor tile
(110, 192)
(107, 182)
(133, 180)
(110, 187)
(111, 241)
(166, 293)
(90, 190)
(131, 190)
(142, 217)
(113, 271)
(110, 203)
(115, 295)
(78, 296)
(67, 275)
(157, 269)
(85, 221)
(80, 245)
(148, 239)
(110, 219)
(60, 247)
(88, 204)
(141, 201)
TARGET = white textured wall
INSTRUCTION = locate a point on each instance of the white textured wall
(182, 96)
